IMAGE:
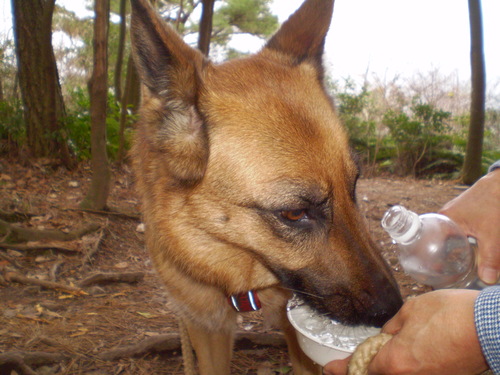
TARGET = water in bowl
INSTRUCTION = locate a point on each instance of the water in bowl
(326, 331)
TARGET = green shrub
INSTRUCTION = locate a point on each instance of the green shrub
(12, 129)
(79, 128)
(419, 137)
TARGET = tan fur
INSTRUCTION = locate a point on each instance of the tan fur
(219, 153)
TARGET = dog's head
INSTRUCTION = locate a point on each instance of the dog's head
(245, 171)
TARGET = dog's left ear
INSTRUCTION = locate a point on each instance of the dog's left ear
(302, 36)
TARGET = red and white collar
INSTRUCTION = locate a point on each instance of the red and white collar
(245, 302)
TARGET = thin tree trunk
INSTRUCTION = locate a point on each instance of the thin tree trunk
(130, 102)
(44, 109)
(1, 90)
(121, 49)
(98, 86)
(206, 26)
(472, 164)
(15, 87)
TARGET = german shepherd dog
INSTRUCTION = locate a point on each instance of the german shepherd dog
(247, 185)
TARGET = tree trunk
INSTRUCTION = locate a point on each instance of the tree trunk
(206, 26)
(121, 49)
(472, 164)
(1, 90)
(44, 109)
(98, 87)
(130, 101)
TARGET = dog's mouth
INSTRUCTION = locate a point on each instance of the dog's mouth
(348, 309)
(349, 305)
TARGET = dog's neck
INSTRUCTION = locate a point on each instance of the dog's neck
(245, 302)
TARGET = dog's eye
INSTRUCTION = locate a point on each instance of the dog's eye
(294, 215)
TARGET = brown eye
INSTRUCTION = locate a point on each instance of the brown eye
(294, 215)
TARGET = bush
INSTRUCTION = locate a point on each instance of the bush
(420, 138)
(12, 129)
(79, 128)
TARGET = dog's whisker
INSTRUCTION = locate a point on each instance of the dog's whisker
(301, 292)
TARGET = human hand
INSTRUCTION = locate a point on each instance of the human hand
(434, 334)
(477, 212)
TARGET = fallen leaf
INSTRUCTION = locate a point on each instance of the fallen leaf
(81, 332)
(119, 294)
(66, 296)
(146, 315)
(35, 319)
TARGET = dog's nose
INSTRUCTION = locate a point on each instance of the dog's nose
(377, 309)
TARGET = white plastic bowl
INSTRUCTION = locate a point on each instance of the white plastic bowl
(322, 339)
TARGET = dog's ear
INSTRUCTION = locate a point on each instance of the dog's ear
(171, 72)
(302, 36)
(161, 56)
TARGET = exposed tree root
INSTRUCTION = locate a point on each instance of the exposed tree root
(21, 361)
(172, 342)
(15, 234)
(133, 216)
(16, 277)
(106, 278)
(155, 344)
(14, 217)
(35, 246)
(92, 249)
(11, 260)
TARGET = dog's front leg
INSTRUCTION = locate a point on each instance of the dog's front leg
(301, 364)
(213, 349)
(274, 302)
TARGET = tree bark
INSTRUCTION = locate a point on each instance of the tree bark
(1, 90)
(98, 86)
(44, 109)
(206, 26)
(472, 164)
(130, 101)
(121, 49)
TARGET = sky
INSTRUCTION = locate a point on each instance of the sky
(385, 38)
(389, 37)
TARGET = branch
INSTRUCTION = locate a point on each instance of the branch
(92, 250)
(160, 343)
(14, 233)
(40, 246)
(16, 277)
(14, 217)
(19, 361)
(134, 216)
(10, 260)
(106, 278)
(13, 361)
(171, 342)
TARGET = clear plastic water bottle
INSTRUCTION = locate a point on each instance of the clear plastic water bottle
(433, 249)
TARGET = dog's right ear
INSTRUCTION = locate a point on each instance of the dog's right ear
(171, 72)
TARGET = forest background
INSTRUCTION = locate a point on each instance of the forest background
(408, 126)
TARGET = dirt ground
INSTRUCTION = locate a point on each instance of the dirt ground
(82, 327)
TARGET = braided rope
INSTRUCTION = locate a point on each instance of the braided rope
(358, 365)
